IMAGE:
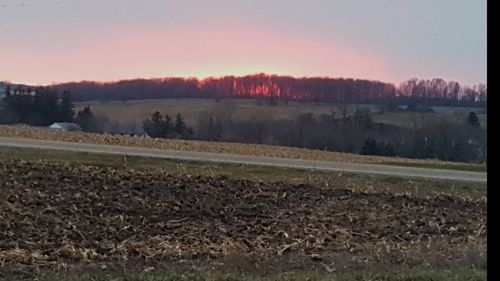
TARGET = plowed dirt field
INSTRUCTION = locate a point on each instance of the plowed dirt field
(57, 217)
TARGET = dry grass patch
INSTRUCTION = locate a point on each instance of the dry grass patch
(216, 147)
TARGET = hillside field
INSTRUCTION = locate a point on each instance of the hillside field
(136, 111)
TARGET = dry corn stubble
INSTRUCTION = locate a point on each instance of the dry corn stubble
(53, 213)
(204, 146)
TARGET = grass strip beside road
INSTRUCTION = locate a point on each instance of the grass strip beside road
(230, 148)
(444, 166)
(322, 179)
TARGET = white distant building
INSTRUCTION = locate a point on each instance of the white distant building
(63, 126)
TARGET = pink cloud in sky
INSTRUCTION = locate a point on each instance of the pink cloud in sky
(189, 53)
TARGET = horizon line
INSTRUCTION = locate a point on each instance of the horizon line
(223, 76)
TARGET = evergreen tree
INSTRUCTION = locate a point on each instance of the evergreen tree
(167, 126)
(180, 125)
(7, 114)
(66, 108)
(44, 108)
(158, 126)
(8, 92)
(153, 126)
(473, 119)
(157, 123)
(20, 106)
(86, 120)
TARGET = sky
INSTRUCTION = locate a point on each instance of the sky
(49, 41)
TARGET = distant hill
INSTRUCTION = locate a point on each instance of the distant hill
(273, 88)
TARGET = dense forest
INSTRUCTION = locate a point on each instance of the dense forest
(43, 106)
(38, 107)
(272, 88)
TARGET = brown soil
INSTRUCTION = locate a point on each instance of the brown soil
(54, 217)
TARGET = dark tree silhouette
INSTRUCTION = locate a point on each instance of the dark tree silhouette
(473, 120)
(180, 125)
(154, 126)
(44, 108)
(7, 92)
(162, 127)
(66, 108)
(370, 147)
(87, 121)
(39, 107)
(168, 127)
(274, 88)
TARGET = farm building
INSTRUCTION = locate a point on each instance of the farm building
(63, 126)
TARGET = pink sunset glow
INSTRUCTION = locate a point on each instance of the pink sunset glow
(190, 53)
